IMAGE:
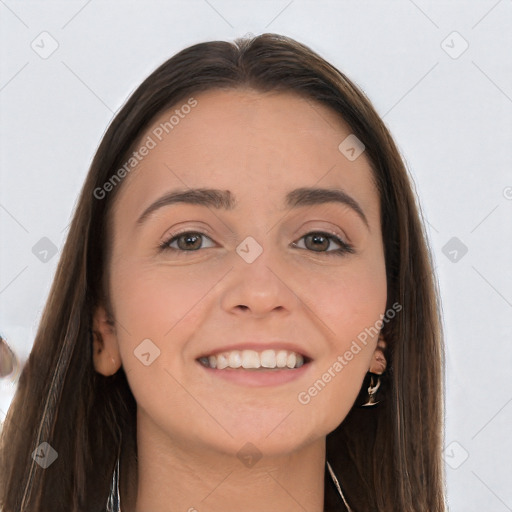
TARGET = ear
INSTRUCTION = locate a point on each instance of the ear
(379, 363)
(105, 350)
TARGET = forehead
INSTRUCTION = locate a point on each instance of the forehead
(257, 145)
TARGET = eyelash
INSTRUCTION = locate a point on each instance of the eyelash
(345, 248)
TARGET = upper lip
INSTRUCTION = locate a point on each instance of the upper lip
(258, 347)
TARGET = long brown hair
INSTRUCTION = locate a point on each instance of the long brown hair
(387, 458)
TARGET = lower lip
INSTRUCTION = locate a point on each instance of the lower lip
(258, 378)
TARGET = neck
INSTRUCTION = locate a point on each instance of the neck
(174, 476)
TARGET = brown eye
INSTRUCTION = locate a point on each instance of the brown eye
(324, 243)
(189, 241)
(317, 242)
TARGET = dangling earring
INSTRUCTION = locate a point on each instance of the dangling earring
(114, 500)
(372, 390)
(338, 487)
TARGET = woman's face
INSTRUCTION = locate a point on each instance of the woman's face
(260, 269)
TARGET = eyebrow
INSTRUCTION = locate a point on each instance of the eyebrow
(224, 199)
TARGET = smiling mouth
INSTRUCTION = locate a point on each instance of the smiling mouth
(253, 360)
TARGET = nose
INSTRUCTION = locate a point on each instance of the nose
(256, 289)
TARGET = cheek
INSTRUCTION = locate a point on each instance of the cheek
(150, 301)
(164, 305)
(349, 307)
(350, 302)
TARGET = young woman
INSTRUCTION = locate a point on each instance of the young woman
(244, 316)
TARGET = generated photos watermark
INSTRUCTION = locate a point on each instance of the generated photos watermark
(151, 142)
(305, 397)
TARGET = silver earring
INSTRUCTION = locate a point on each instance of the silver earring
(372, 390)
(114, 499)
(338, 486)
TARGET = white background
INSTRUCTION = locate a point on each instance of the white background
(449, 110)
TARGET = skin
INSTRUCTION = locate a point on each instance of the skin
(190, 424)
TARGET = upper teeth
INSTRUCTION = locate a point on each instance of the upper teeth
(252, 359)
